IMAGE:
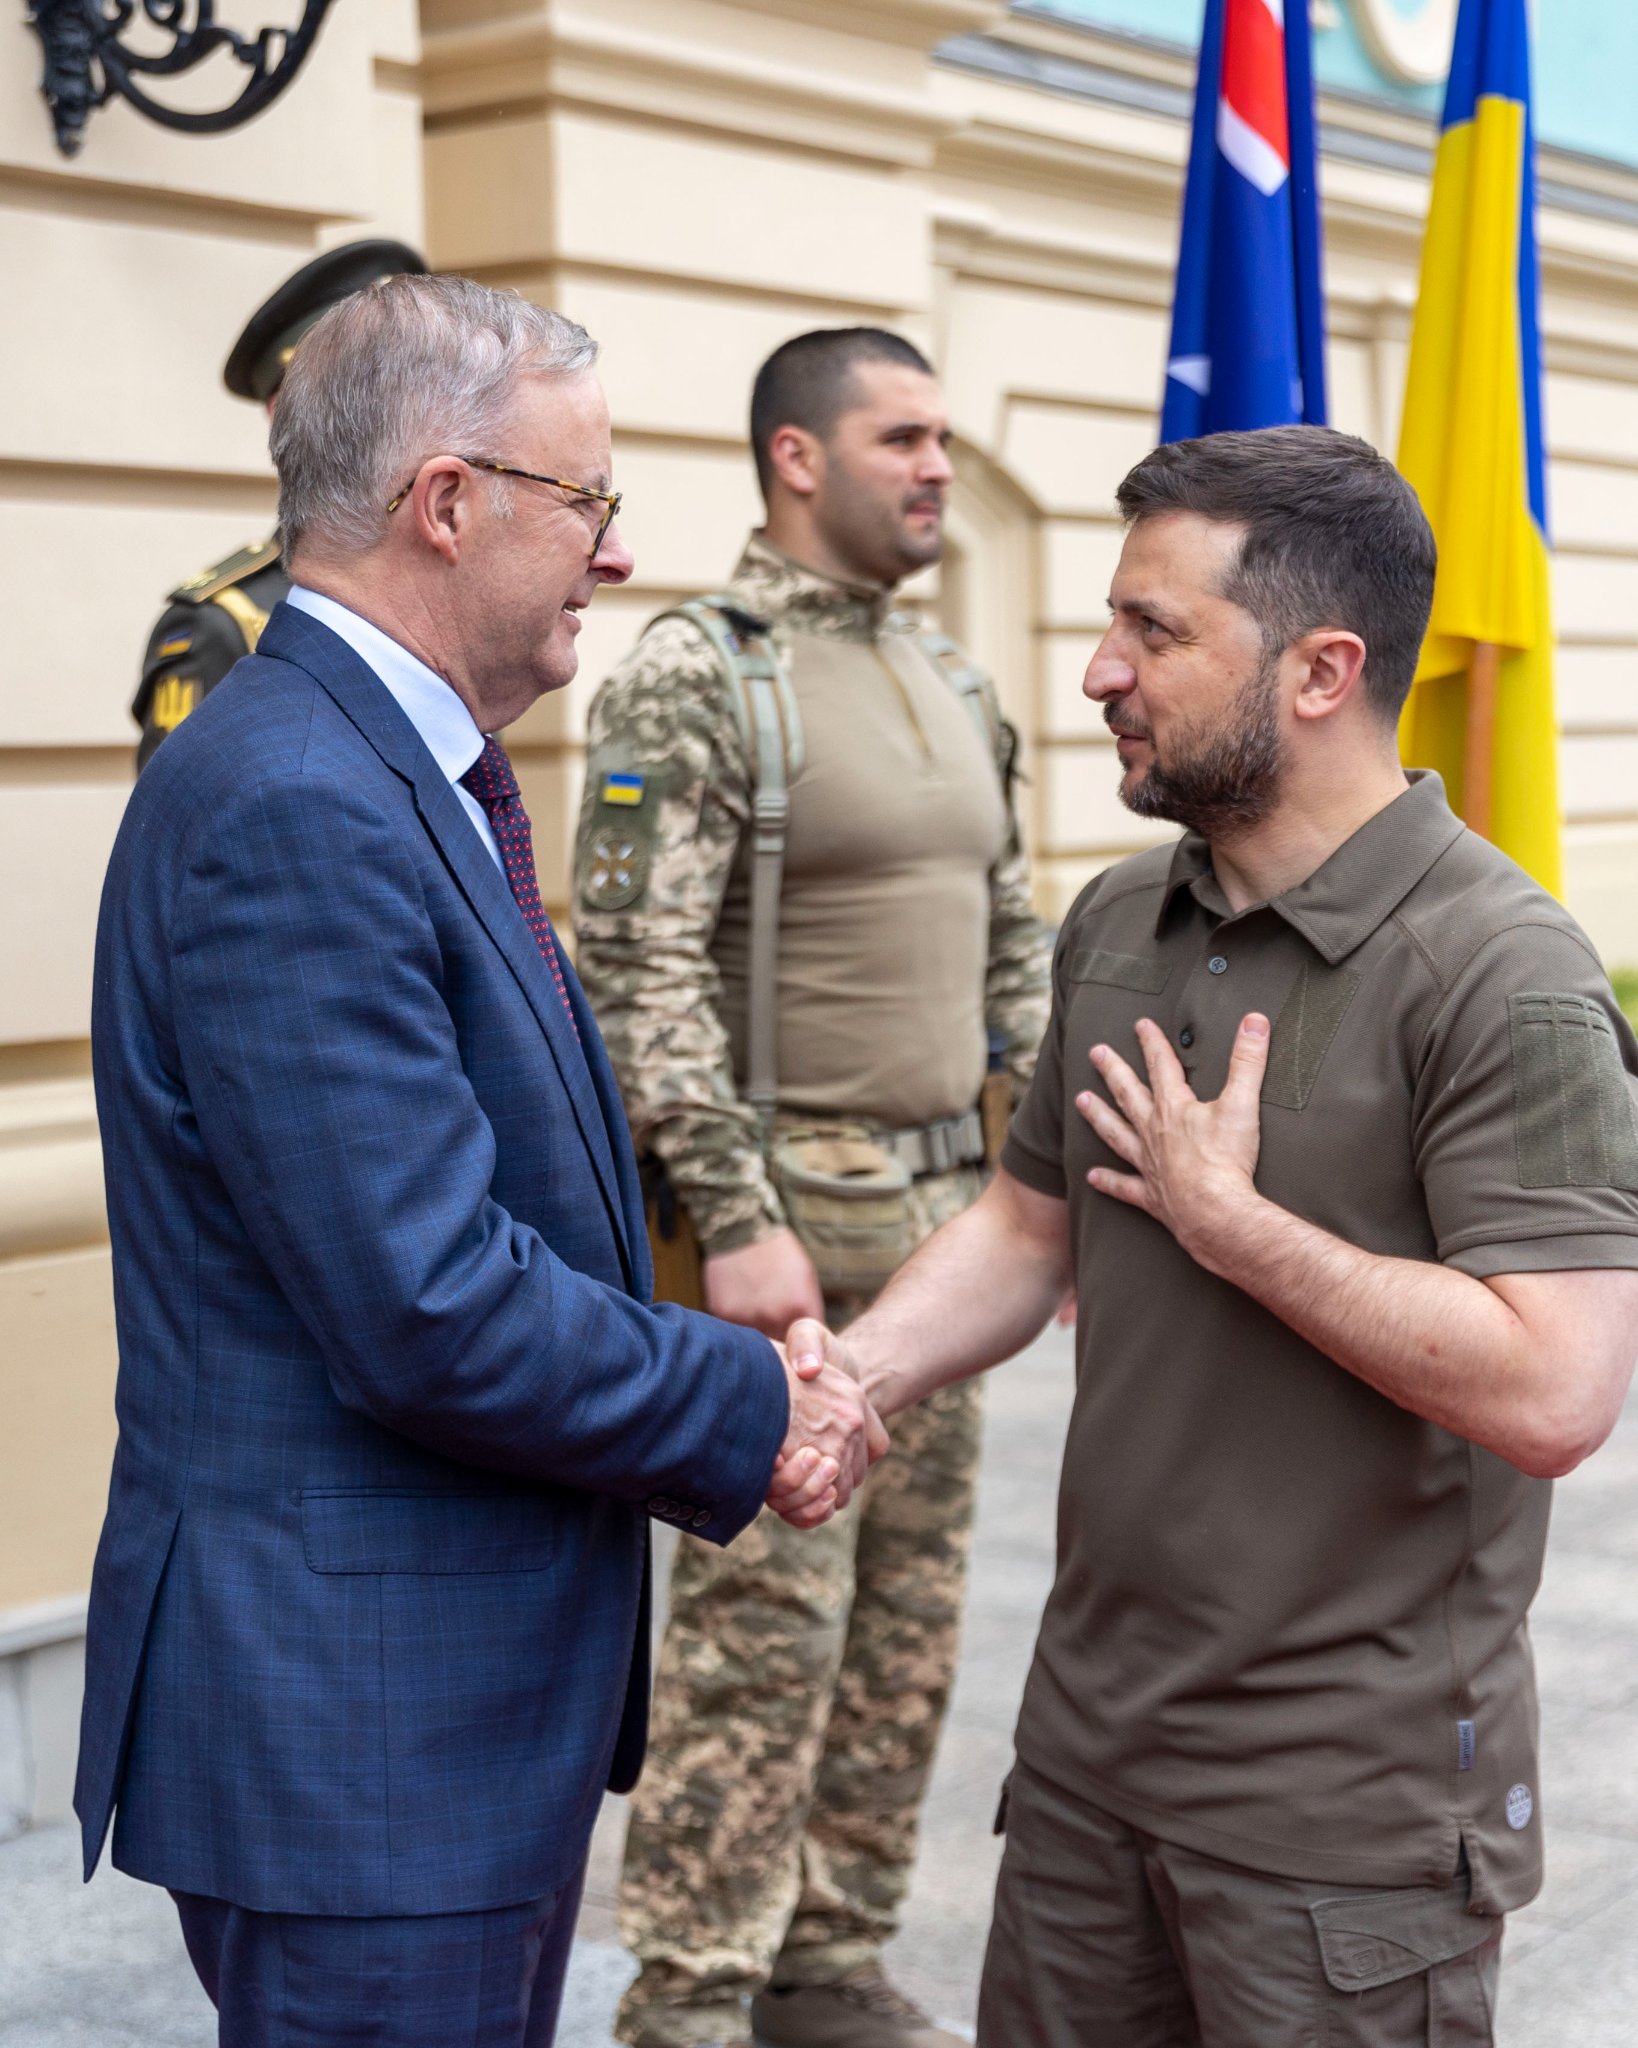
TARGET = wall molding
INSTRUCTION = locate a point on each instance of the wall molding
(51, 1191)
(1129, 144)
(42, 1623)
(1037, 49)
(586, 60)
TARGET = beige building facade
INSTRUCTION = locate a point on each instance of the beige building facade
(695, 180)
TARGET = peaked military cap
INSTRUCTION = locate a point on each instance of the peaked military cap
(259, 356)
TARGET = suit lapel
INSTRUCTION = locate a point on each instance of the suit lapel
(490, 895)
(614, 1118)
(293, 636)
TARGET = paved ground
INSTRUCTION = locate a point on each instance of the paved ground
(104, 1968)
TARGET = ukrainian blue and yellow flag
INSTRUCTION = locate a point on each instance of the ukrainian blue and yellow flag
(1481, 711)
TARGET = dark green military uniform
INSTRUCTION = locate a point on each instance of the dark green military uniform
(217, 616)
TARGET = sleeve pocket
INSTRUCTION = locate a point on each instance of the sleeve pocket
(405, 1530)
(1572, 1113)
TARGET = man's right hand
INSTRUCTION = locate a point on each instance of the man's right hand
(834, 1437)
(767, 1286)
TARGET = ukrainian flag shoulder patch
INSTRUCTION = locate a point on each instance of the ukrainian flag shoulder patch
(623, 789)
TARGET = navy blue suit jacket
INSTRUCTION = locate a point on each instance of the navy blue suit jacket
(367, 1629)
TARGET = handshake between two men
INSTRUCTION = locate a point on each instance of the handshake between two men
(835, 1434)
(1192, 1163)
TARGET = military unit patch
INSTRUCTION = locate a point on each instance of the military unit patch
(616, 871)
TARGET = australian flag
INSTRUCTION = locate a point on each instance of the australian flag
(1248, 321)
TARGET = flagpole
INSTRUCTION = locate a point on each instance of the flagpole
(1478, 761)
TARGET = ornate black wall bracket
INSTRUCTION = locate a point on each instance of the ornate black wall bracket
(86, 63)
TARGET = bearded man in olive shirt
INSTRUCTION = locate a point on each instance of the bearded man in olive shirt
(1354, 1286)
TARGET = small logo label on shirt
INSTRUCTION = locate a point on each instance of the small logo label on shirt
(1466, 1744)
(1520, 1806)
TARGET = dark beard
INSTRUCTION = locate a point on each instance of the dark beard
(1229, 782)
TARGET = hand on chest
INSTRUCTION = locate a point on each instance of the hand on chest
(1336, 1098)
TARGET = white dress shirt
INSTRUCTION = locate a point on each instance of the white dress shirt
(447, 728)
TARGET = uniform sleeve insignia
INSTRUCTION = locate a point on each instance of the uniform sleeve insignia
(616, 869)
(174, 697)
(622, 789)
(172, 648)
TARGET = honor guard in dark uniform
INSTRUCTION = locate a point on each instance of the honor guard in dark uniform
(217, 616)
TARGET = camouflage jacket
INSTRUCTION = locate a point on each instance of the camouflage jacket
(644, 932)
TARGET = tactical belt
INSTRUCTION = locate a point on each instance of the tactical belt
(938, 1147)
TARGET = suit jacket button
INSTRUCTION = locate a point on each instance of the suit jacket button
(701, 1519)
(659, 1505)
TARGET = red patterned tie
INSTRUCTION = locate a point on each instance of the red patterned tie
(492, 782)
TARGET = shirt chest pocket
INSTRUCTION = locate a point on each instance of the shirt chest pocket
(1107, 993)
(1099, 966)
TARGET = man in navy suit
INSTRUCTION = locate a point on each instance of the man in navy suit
(368, 1631)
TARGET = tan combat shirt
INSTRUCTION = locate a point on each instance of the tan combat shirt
(1288, 1622)
(906, 932)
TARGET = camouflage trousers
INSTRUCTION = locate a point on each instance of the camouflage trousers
(797, 1706)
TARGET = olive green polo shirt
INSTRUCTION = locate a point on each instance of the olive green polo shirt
(1288, 1622)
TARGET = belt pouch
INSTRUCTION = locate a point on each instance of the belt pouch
(848, 1200)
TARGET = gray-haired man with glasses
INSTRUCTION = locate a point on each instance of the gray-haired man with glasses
(369, 1620)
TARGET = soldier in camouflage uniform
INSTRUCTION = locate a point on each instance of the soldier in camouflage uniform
(216, 617)
(804, 1677)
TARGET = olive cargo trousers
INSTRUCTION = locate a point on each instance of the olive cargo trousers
(1105, 1937)
(797, 1706)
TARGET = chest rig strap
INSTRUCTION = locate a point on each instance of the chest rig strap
(963, 678)
(770, 727)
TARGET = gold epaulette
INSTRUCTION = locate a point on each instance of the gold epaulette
(223, 575)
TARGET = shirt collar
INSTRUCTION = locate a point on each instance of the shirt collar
(447, 728)
(792, 594)
(1346, 898)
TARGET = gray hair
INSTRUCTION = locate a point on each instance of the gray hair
(407, 368)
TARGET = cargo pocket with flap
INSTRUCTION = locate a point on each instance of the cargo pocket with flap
(1418, 1949)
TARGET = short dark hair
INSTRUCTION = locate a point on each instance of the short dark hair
(808, 382)
(1334, 536)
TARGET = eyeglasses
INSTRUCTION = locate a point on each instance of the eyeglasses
(611, 501)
